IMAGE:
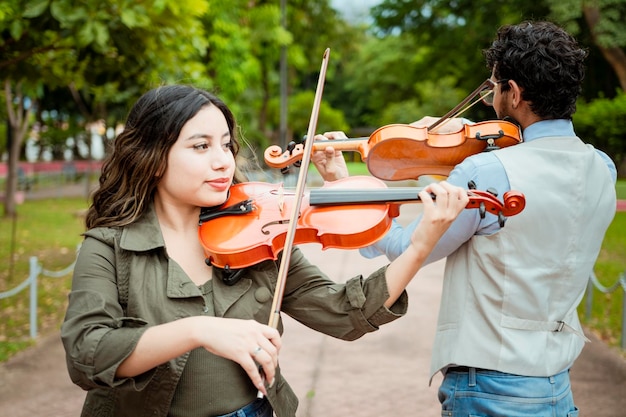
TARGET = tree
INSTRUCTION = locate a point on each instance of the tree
(104, 52)
(605, 20)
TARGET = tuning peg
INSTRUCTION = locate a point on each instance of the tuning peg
(482, 210)
(492, 191)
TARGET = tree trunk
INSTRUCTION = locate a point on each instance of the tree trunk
(615, 56)
(18, 126)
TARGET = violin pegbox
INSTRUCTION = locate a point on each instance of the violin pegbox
(513, 202)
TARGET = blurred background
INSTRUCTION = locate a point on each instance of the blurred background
(71, 69)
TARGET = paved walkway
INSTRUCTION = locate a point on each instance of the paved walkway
(382, 374)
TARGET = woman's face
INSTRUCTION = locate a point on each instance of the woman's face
(200, 164)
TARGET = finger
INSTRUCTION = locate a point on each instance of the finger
(273, 336)
(268, 364)
(335, 135)
(458, 195)
(330, 152)
(268, 348)
(425, 121)
(440, 193)
(251, 367)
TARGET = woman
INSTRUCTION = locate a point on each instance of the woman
(151, 329)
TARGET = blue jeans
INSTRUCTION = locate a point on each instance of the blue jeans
(257, 408)
(472, 392)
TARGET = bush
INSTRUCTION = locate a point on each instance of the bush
(602, 122)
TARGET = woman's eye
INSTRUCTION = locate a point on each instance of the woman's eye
(227, 146)
(201, 146)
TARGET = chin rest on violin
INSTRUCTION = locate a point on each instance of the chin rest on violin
(401, 152)
(350, 213)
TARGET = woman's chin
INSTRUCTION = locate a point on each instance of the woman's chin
(215, 200)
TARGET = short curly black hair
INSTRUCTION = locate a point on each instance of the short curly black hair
(545, 61)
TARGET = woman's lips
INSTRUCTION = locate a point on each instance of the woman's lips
(220, 184)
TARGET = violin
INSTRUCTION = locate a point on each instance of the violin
(407, 152)
(401, 151)
(349, 213)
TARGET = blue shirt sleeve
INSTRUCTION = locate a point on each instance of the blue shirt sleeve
(486, 171)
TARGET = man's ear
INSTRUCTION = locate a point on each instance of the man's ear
(515, 93)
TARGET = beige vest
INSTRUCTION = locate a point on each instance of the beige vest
(509, 299)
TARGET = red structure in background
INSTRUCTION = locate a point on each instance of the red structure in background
(54, 167)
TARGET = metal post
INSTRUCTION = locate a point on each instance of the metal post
(623, 285)
(588, 299)
(34, 271)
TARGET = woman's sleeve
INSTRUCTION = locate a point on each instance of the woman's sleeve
(96, 334)
(345, 311)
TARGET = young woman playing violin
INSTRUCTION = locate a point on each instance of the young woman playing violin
(151, 329)
(508, 330)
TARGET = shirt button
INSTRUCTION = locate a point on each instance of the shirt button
(205, 309)
(262, 295)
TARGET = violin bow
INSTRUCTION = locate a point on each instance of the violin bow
(458, 109)
(299, 194)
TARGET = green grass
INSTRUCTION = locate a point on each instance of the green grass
(49, 230)
(620, 189)
(606, 312)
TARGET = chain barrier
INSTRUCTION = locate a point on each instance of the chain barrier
(35, 270)
(620, 283)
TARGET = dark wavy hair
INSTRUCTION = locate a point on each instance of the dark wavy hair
(131, 172)
(545, 61)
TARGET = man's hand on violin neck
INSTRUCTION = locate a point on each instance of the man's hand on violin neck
(329, 162)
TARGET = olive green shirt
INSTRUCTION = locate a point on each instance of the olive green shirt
(124, 282)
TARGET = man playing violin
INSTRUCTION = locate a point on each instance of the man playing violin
(508, 330)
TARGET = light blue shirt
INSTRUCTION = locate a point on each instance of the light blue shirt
(487, 172)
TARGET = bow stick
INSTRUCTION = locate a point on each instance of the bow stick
(299, 194)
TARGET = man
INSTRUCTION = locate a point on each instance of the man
(508, 330)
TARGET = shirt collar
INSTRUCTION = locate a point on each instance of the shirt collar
(545, 128)
(144, 234)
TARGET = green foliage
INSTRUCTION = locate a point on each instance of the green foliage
(92, 59)
(602, 122)
(455, 32)
(610, 27)
(299, 115)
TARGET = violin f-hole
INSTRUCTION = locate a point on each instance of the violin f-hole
(274, 223)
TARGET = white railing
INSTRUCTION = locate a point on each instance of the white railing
(35, 270)
(620, 283)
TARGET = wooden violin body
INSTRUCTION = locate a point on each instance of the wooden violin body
(401, 152)
(350, 213)
(404, 152)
